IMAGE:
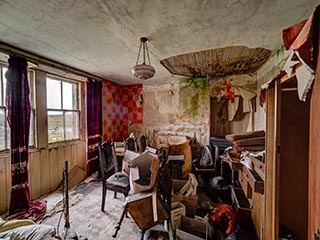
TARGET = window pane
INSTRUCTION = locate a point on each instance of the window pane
(32, 91)
(72, 125)
(2, 129)
(8, 136)
(67, 95)
(53, 94)
(1, 77)
(32, 128)
(55, 126)
(4, 70)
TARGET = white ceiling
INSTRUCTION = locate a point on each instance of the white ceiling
(102, 36)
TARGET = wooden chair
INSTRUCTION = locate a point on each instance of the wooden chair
(130, 144)
(158, 199)
(143, 142)
(117, 182)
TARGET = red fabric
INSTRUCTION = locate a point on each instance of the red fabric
(222, 210)
(301, 37)
(35, 212)
(228, 92)
(263, 98)
(94, 122)
(290, 34)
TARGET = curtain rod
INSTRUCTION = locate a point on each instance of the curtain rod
(37, 59)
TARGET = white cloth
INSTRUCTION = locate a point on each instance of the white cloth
(247, 96)
(232, 108)
(290, 63)
(305, 76)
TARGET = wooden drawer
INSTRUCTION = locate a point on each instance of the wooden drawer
(242, 205)
(258, 167)
(255, 181)
(243, 180)
(234, 165)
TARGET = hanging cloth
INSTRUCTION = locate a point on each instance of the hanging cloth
(18, 106)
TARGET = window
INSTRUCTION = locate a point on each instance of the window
(33, 109)
(63, 110)
(4, 126)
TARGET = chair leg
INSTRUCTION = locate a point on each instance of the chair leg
(124, 213)
(179, 172)
(115, 194)
(104, 192)
(169, 228)
(142, 234)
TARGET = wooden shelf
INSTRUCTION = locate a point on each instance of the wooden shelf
(254, 180)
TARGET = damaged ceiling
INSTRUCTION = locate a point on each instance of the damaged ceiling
(217, 62)
(101, 37)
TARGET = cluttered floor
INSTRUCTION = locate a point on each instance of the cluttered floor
(86, 218)
(211, 204)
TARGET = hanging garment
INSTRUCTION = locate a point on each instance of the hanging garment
(232, 108)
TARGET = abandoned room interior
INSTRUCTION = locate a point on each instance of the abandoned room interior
(160, 119)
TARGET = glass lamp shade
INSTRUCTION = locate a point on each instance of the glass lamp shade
(143, 71)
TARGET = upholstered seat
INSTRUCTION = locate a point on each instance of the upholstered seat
(118, 180)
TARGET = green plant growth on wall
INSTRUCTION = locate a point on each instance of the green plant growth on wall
(280, 51)
(193, 91)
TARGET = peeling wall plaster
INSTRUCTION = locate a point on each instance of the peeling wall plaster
(164, 109)
(163, 114)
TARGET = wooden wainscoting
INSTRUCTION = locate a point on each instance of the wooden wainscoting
(45, 170)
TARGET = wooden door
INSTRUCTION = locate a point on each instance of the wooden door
(314, 160)
(271, 208)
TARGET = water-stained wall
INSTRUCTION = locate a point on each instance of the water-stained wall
(170, 109)
(182, 109)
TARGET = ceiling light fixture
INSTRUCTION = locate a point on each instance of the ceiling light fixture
(143, 71)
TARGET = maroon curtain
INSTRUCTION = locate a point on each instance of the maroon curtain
(18, 106)
(94, 122)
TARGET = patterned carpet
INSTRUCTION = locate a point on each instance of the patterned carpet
(87, 219)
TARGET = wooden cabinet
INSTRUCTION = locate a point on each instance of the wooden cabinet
(287, 158)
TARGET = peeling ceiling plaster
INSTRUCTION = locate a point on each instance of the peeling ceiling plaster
(102, 36)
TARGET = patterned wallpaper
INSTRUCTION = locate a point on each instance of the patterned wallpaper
(119, 105)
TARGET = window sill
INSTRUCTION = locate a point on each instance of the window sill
(63, 143)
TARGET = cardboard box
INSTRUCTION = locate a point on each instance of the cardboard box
(190, 203)
(191, 229)
(177, 210)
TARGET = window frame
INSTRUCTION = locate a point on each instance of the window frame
(64, 111)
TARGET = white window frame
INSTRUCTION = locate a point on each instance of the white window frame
(78, 110)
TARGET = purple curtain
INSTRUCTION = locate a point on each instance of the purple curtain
(94, 121)
(18, 106)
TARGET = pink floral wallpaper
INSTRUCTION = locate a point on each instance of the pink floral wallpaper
(120, 104)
